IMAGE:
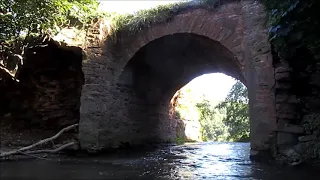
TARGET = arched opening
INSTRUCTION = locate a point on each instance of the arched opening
(215, 111)
(158, 70)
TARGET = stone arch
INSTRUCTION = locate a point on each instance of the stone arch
(158, 70)
(200, 54)
(223, 25)
(237, 26)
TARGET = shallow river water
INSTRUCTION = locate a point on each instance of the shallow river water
(211, 160)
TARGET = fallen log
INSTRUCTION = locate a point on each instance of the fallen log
(19, 151)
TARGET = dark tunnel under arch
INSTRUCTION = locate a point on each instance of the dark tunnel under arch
(163, 66)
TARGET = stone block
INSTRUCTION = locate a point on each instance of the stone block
(285, 107)
(303, 147)
(285, 76)
(287, 115)
(293, 99)
(282, 69)
(311, 137)
(283, 85)
(284, 138)
(289, 128)
(281, 98)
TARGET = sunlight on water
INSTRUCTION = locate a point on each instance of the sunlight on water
(210, 160)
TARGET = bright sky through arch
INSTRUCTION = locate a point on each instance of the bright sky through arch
(214, 86)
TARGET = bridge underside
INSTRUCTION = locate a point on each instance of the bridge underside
(136, 109)
(157, 71)
(126, 96)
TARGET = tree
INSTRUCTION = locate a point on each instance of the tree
(212, 127)
(23, 19)
(237, 113)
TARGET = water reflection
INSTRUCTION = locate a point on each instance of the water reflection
(227, 161)
(215, 160)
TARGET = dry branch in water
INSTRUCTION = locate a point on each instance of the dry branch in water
(24, 149)
(51, 151)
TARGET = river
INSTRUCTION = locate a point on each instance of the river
(210, 160)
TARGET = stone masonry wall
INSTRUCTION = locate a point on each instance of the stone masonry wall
(47, 93)
(298, 108)
(260, 76)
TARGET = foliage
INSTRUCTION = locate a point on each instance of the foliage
(212, 127)
(224, 121)
(182, 140)
(21, 20)
(237, 113)
(294, 25)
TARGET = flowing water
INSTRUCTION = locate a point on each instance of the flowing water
(225, 161)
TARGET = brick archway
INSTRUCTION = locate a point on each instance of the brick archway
(236, 26)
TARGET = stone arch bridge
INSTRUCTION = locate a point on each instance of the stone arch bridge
(129, 84)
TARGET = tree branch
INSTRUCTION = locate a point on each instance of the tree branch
(4, 154)
(51, 151)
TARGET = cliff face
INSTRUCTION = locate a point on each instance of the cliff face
(47, 92)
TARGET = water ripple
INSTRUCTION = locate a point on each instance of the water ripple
(225, 161)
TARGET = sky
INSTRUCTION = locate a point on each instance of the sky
(127, 6)
(214, 86)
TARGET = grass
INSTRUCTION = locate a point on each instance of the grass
(131, 24)
(124, 25)
(183, 140)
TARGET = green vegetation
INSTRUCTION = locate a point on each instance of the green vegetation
(237, 113)
(229, 120)
(182, 140)
(211, 121)
(295, 27)
(133, 23)
(21, 21)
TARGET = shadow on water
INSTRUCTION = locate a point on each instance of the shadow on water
(227, 161)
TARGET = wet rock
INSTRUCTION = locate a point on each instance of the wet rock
(291, 157)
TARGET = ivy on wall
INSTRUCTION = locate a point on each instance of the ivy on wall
(294, 25)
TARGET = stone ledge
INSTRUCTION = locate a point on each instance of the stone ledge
(284, 98)
(307, 138)
(287, 115)
(284, 76)
(283, 85)
(289, 128)
(282, 69)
